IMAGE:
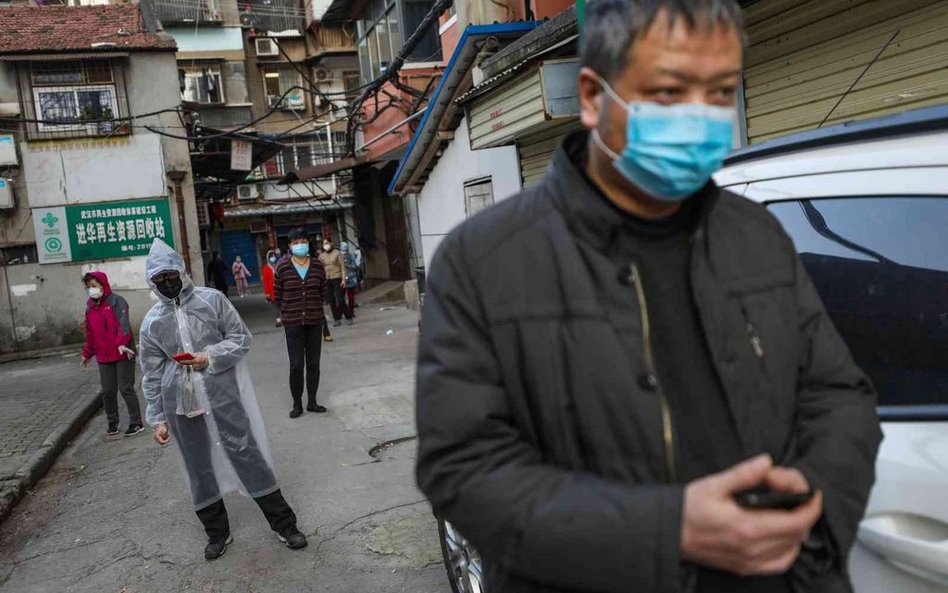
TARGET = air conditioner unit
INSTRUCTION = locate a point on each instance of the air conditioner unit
(6, 193)
(267, 47)
(249, 192)
(274, 102)
(8, 156)
(323, 74)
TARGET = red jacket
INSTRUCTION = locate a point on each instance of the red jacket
(107, 325)
(268, 281)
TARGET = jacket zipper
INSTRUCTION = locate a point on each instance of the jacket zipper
(667, 428)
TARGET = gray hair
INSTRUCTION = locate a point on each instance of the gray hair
(610, 27)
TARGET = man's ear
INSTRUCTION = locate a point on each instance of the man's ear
(590, 98)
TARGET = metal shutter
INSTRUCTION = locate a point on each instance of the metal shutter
(805, 54)
(536, 152)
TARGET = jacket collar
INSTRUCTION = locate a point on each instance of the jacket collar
(587, 213)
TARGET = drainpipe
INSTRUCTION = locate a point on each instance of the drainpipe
(177, 176)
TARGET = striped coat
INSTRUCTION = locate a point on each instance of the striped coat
(300, 301)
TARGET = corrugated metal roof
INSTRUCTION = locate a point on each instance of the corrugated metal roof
(295, 208)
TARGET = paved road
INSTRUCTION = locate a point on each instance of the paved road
(115, 516)
(37, 395)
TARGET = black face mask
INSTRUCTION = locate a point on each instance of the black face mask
(170, 287)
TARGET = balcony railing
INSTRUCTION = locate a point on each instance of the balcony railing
(189, 11)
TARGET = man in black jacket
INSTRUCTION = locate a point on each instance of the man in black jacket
(607, 359)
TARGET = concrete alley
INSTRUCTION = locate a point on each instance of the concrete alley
(116, 516)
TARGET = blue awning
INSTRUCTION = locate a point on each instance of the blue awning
(457, 71)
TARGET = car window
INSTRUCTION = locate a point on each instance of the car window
(881, 267)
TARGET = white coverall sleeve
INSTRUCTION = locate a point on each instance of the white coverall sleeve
(153, 362)
(225, 354)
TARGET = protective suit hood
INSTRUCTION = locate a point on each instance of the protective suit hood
(162, 258)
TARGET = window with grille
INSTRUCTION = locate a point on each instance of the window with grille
(201, 84)
(74, 98)
(282, 88)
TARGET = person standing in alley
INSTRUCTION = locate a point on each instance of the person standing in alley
(110, 340)
(217, 272)
(335, 265)
(352, 279)
(199, 393)
(241, 274)
(299, 283)
(609, 359)
(267, 279)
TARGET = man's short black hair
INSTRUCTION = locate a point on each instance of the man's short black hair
(296, 234)
(611, 27)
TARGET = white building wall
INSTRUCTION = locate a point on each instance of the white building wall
(441, 201)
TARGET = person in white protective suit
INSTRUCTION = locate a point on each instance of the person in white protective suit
(206, 403)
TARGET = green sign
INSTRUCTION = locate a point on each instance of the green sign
(101, 231)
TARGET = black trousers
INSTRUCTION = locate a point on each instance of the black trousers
(275, 508)
(337, 300)
(116, 377)
(304, 344)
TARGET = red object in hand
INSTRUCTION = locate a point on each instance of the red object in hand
(183, 357)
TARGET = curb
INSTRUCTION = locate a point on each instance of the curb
(36, 354)
(31, 472)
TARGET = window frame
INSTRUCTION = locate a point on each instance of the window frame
(934, 412)
(213, 71)
(75, 90)
(471, 184)
(279, 70)
(87, 75)
(365, 29)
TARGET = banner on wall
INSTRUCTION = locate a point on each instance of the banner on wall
(100, 231)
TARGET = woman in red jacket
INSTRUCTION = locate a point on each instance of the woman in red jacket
(267, 275)
(109, 338)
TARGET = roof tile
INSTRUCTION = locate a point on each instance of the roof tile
(55, 29)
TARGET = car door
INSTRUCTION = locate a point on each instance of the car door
(880, 264)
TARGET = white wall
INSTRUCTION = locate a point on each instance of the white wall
(441, 201)
(93, 171)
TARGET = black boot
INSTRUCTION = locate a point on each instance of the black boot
(314, 407)
(293, 539)
(215, 548)
(296, 412)
(217, 526)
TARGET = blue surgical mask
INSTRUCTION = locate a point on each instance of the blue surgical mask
(671, 151)
(300, 249)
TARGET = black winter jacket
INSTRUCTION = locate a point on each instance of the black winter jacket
(542, 434)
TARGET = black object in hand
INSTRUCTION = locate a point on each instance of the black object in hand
(765, 498)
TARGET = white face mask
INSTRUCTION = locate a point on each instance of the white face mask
(327, 247)
(95, 293)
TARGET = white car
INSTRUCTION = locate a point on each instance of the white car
(867, 207)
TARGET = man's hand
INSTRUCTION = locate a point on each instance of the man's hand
(126, 352)
(162, 435)
(718, 533)
(198, 363)
(84, 363)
